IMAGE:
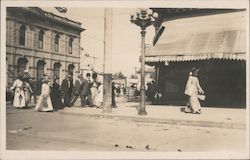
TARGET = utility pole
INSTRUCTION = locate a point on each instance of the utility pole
(107, 68)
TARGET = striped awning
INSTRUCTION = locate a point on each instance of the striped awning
(217, 36)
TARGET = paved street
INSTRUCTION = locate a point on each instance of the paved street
(29, 130)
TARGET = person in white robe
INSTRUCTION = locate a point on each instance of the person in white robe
(99, 97)
(192, 90)
(19, 97)
(45, 96)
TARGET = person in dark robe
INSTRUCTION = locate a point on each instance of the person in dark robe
(153, 91)
(67, 87)
(55, 94)
(148, 94)
(77, 89)
(113, 95)
(85, 91)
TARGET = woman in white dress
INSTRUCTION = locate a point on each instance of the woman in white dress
(94, 89)
(99, 97)
(19, 97)
(45, 96)
(192, 90)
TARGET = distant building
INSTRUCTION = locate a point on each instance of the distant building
(150, 74)
(42, 43)
(213, 40)
(120, 81)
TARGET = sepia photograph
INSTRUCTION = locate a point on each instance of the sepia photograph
(122, 80)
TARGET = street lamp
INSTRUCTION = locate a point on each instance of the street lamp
(143, 18)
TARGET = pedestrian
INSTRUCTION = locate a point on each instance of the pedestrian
(27, 88)
(45, 97)
(55, 94)
(77, 89)
(17, 87)
(67, 87)
(113, 95)
(153, 91)
(39, 84)
(99, 97)
(85, 91)
(192, 90)
(118, 90)
(94, 89)
(148, 94)
(124, 89)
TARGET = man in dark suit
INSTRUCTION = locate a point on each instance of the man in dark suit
(77, 88)
(67, 86)
(113, 104)
(85, 91)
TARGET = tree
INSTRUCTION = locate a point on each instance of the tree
(118, 75)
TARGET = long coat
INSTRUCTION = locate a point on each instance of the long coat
(66, 88)
(85, 87)
(55, 96)
(77, 87)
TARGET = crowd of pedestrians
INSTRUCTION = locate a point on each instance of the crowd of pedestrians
(89, 90)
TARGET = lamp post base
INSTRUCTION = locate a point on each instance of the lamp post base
(142, 112)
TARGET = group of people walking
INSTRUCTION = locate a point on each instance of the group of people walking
(50, 93)
(90, 92)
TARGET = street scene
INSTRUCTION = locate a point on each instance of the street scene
(126, 79)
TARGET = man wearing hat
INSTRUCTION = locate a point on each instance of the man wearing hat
(67, 87)
(77, 88)
(85, 91)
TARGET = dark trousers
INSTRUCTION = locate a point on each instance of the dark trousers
(75, 97)
(67, 97)
(113, 101)
(83, 100)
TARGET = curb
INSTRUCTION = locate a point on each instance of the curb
(164, 121)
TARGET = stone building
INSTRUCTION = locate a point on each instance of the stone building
(42, 43)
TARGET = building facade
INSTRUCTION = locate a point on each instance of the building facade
(213, 40)
(42, 43)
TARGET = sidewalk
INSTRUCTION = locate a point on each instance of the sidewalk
(210, 117)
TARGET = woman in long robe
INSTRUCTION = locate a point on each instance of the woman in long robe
(99, 97)
(45, 96)
(94, 89)
(55, 95)
(19, 97)
(192, 90)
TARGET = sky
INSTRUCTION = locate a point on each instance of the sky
(126, 37)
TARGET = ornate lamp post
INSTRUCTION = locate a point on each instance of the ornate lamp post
(143, 18)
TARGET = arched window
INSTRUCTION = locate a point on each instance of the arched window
(21, 65)
(70, 45)
(71, 69)
(40, 69)
(22, 35)
(40, 39)
(57, 69)
(57, 43)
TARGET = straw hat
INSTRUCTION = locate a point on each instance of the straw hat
(196, 72)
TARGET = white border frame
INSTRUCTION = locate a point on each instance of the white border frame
(7, 154)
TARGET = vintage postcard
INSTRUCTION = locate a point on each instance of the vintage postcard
(125, 79)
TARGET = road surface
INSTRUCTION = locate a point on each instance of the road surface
(30, 130)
